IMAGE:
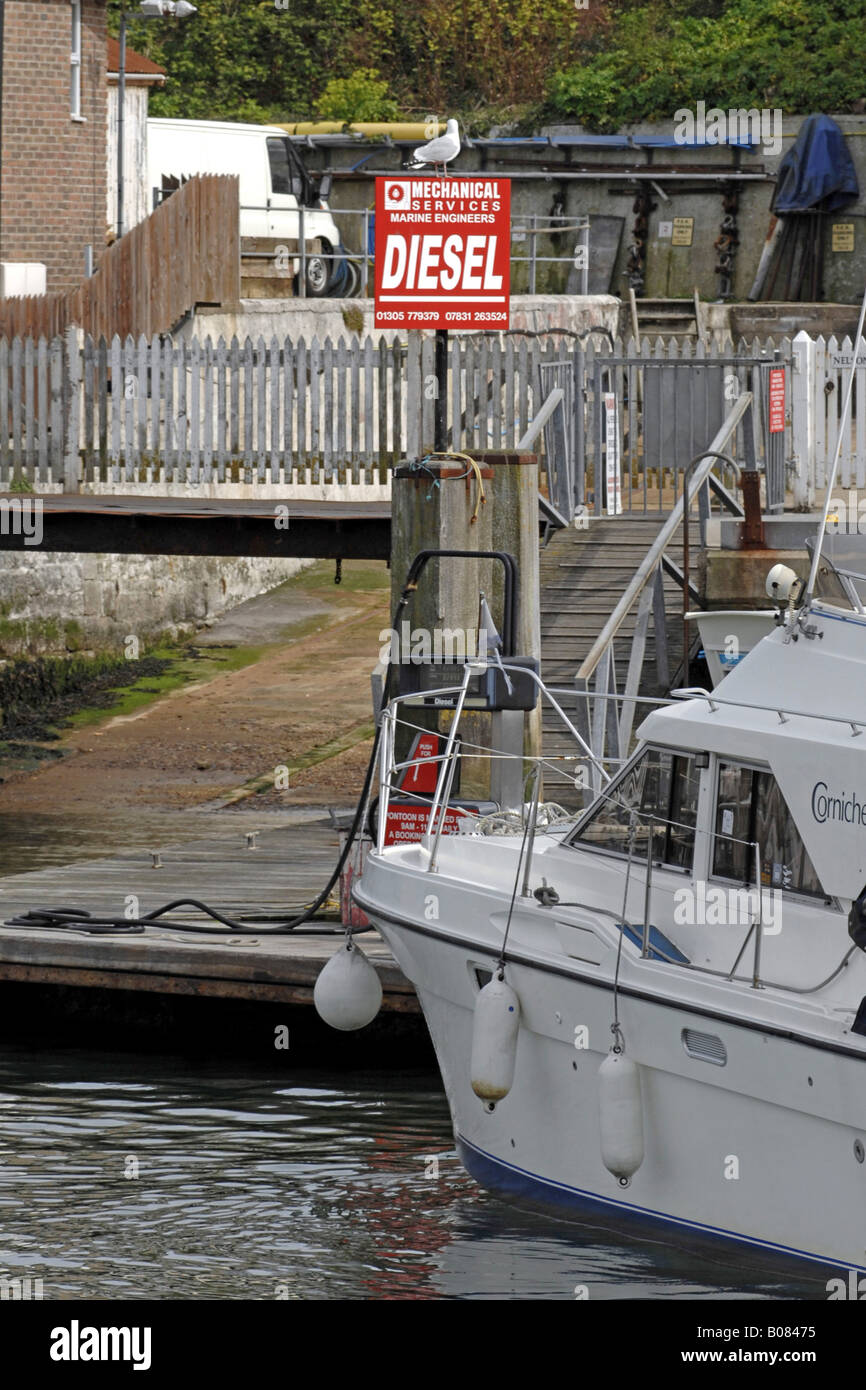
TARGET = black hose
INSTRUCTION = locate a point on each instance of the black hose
(77, 919)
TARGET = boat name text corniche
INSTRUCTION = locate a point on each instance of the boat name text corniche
(848, 809)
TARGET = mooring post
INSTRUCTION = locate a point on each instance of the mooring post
(433, 508)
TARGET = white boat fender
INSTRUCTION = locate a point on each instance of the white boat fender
(620, 1115)
(494, 1040)
(348, 993)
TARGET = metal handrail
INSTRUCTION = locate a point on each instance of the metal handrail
(783, 712)
(439, 803)
(647, 567)
(556, 397)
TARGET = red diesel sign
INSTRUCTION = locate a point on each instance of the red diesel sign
(443, 249)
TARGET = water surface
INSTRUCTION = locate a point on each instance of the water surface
(158, 1177)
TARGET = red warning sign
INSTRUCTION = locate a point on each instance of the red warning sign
(443, 248)
(409, 822)
(422, 773)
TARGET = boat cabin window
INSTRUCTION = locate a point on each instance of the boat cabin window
(750, 808)
(662, 789)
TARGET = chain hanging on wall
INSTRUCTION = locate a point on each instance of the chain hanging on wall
(727, 242)
(636, 264)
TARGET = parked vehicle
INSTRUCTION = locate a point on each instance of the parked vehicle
(274, 185)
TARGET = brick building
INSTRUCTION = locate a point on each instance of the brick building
(53, 94)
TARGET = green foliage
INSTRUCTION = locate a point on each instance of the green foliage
(615, 62)
(797, 55)
(245, 60)
(359, 97)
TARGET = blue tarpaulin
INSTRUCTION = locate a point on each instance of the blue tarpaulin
(817, 172)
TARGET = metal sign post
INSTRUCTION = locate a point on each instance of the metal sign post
(440, 415)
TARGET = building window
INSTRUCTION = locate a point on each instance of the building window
(75, 62)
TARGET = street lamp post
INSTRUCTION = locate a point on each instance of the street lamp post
(148, 9)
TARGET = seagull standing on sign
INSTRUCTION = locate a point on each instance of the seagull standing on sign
(441, 150)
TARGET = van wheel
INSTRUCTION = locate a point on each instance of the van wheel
(319, 272)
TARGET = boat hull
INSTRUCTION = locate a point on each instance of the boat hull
(722, 1161)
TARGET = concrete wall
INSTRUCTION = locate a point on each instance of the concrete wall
(55, 602)
(671, 270)
(334, 318)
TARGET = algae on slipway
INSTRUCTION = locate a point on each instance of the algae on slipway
(38, 694)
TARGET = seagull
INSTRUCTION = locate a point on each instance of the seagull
(441, 150)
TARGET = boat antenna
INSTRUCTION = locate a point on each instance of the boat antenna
(843, 425)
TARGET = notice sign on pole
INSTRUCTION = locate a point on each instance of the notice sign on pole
(612, 478)
(443, 249)
(776, 403)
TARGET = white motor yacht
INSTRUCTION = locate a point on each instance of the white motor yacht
(654, 1011)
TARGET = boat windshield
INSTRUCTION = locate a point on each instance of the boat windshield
(750, 809)
(659, 795)
(841, 577)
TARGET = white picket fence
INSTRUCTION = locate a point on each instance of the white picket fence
(84, 412)
(79, 411)
(819, 381)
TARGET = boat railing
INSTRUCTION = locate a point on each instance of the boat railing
(438, 804)
(756, 928)
(755, 931)
(784, 713)
(389, 766)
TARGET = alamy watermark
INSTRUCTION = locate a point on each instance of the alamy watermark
(422, 644)
(77, 1343)
(20, 1290)
(846, 515)
(22, 516)
(715, 127)
(853, 1289)
(712, 905)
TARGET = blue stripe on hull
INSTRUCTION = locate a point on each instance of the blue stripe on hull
(504, 1177)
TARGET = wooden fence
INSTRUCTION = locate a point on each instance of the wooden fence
(82, 411)
(187, 252)
(821, 377)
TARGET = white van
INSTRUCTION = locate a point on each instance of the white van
(273, 184)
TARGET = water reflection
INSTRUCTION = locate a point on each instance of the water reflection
(156, 1178)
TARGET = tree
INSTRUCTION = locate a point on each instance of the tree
(358, 97)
